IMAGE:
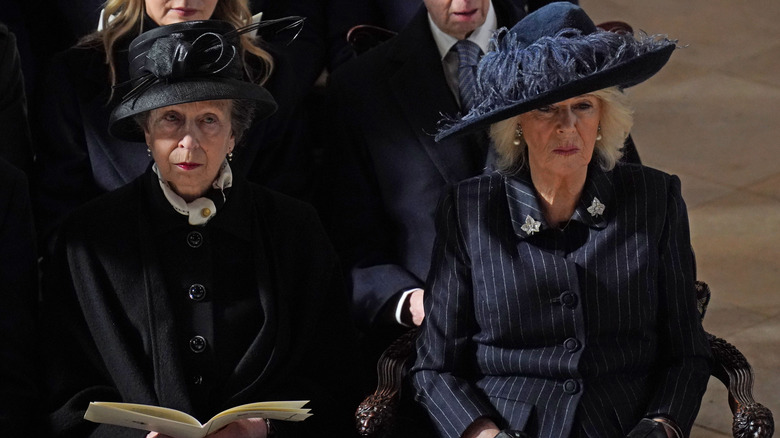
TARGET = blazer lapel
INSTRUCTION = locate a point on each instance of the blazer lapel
(524, 209)
(596, 203)
(593, 208)
(420, 88)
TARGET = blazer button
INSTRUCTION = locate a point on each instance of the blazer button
(571, 345)
(197, 292)
(571, 387)
(194, 239)
(197, 380)
(569, 299)
(197, 344)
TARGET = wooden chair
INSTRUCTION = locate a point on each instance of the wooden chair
(376, 413)
(751, 419)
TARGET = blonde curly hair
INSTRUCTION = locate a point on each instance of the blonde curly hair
(128, 19)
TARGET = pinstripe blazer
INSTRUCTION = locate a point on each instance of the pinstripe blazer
(580, 332)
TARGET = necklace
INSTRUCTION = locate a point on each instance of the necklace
(563, 228)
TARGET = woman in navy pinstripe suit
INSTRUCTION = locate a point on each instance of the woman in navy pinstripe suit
(562, 286)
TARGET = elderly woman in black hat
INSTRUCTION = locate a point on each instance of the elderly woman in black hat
(191, 288)
(76, 157)
(562, 296)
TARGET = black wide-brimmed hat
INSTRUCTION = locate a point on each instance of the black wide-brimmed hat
(188, 62)
(554, 54)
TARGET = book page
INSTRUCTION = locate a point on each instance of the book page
(180, 425)
(150, 418)
(289, 406)
(223, 419)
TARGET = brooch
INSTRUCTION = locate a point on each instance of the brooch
(530, 226)
(596, 208)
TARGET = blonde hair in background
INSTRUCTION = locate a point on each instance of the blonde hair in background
(128, 19)
(616, 121)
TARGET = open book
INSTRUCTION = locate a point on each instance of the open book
(180, 425)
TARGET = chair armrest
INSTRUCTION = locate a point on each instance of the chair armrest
(751, 419)
(729, 365)
(376, 413)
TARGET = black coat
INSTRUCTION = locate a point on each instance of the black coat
(114, 327)
(387, 172)
(18, 283)
(581, 332)
(16, 146)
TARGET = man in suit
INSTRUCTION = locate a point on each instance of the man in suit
(387, 171)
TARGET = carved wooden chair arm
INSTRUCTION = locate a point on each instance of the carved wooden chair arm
(377, 412)
(751, 419)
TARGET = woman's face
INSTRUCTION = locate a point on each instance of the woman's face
(165, 12)
(189, 143)
(561, 137)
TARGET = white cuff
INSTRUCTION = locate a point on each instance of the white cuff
(400, 306)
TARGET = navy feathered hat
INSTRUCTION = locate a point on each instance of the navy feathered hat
(554, 54)
(188, 62)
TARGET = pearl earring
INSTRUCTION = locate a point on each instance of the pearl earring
(148, 152)
(598, 136)
(230, 156)
(518, 135)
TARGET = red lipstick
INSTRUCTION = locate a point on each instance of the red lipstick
(188, 166)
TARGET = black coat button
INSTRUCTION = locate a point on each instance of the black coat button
(194, 239)
(569, 299)
(197, 344)
(197, 292)
(197, 380)
(571, 345)
(571, 386)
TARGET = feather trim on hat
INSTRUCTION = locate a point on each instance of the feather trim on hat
(507, 75)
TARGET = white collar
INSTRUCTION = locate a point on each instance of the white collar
(481, 35)
(201, 210)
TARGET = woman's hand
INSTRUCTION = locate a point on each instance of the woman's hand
(482, 427)
(245, 428)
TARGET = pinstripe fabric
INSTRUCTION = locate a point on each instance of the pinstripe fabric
(579, 332)
(468, 58)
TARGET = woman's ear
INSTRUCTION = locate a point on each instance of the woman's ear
(147, 138)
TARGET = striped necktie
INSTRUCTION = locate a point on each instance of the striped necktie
(468, 58)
